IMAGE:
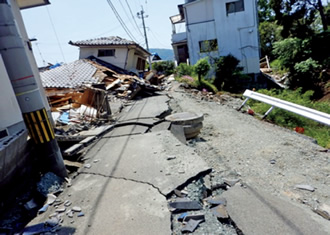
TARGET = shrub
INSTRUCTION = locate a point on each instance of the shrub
(201, 68)
(184, 69)
(165, 67)
(226, 72)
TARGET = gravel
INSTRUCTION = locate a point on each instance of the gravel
(261, 154)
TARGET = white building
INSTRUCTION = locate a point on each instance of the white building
(217, 28)
(118, 51)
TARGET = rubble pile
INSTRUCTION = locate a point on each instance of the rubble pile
(199, 208)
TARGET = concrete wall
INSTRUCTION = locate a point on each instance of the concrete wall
(236, 33)
(10, 113)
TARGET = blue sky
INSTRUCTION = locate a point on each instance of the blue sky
(55, 25)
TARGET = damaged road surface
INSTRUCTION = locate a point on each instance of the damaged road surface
(128, 174)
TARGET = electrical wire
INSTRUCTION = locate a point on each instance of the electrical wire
(58, 41)
(121, 21)
(137, 26)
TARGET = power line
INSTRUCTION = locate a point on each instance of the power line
(121, 21)
(137, 26)
(58, 41)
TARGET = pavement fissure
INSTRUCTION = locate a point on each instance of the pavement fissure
(123, 178)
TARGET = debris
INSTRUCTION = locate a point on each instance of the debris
(81, 214)
(30, 205)
(184, 204)
(87, 165)
(43, 209)
(217, 201)
(191, 225)
(231, 182)
(76, 209)
(67, 203)
(305, 187)
(170, 158)
(182, 216)
(49, 183)
(36, 229)
(194, 217)
(60, 210)
(324, 211)
(220, 212)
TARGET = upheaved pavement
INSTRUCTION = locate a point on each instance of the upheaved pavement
(129, 172)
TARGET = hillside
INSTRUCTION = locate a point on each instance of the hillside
(165, 54)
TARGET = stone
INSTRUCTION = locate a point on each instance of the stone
(305, 187)
(220, 212)
(231, 182)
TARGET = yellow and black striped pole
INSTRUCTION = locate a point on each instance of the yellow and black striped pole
(39, 126)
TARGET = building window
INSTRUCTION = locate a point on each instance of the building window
(104, 53)
(236, 6)
(208, 45)
(140, 65)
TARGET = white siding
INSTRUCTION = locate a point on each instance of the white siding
(237, 33)
(119, 59)
(199, 11)
(10, 113)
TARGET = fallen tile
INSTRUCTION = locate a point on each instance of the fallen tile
(191, 225)
(81, 214)
(184, 204)
(67, 203)
(60, 210)
(197, 217)
(305, 187)
(50, 199)
(76, 209)
(70, 214)
(220, 212)
(43, 209)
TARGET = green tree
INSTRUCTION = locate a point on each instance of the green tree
(202, 67)
(270, 33)
(265, 12)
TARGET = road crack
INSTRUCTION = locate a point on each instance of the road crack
(123, 178)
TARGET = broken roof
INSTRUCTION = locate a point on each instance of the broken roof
(107, 41)
(70, 75)
(23, 4)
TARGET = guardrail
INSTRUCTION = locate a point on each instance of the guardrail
(313, 114)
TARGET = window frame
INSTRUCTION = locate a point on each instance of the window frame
(212, 45)
(106, 52)
(238, 6)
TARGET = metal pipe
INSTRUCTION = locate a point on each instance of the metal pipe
(28, 93)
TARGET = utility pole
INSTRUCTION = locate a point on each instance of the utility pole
(141, 16)
(28, 93)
